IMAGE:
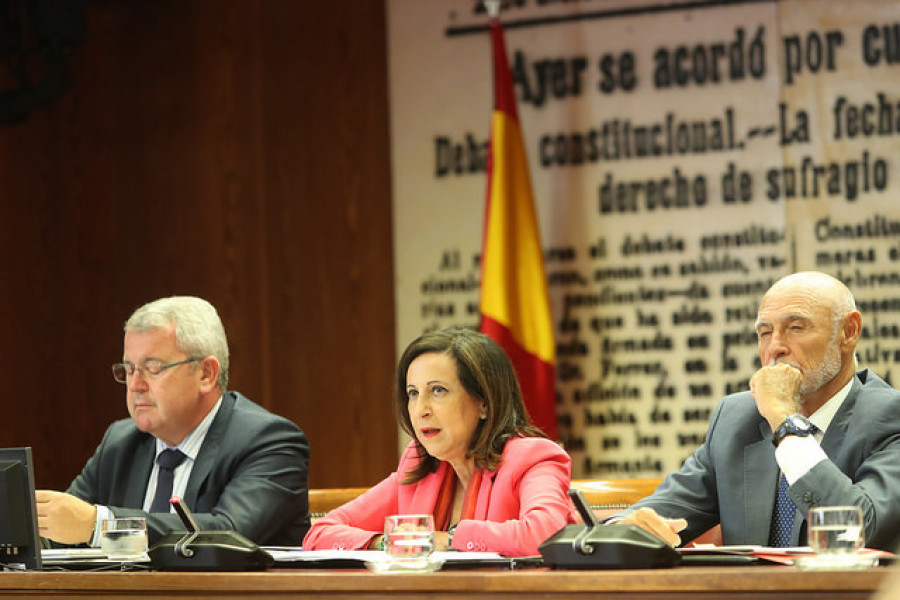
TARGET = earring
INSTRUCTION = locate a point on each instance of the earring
(483, 416)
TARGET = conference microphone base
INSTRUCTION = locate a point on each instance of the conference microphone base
(613, 546)
(208, 551)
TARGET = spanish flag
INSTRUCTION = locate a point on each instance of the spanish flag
(515, 307)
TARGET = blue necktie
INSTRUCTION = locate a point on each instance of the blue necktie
(782, 516)
(167, 460)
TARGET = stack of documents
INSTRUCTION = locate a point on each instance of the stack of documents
(378, 561)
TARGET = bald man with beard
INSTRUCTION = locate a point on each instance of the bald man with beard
(831, 430)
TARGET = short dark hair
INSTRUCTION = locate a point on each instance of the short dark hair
(487, 374)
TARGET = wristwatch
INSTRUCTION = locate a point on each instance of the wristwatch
(794, 425)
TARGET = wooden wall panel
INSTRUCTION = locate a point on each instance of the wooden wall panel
(236, 150)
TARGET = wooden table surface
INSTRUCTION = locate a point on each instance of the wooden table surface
(732, 583)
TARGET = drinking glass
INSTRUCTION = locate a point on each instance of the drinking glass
(409, 538)
(836, 534)
(124, 539)
(836, 529)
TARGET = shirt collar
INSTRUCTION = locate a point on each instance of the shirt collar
(822, 418)
(190, 445)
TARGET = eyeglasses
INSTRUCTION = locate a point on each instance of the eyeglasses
(151, 368)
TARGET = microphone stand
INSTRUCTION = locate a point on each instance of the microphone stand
(193, 530)
(579, 543)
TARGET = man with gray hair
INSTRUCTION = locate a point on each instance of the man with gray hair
(811, 431)
(236, 465)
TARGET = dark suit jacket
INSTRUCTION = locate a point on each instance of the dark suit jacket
(732, 477)
(250, 475)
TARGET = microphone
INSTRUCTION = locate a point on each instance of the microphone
(193, 530)
(598, 546)
(211, 550)
(579, 542)
(581, 503)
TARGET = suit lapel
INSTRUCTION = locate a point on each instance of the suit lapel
(760, 478)
(208, 455)
(139, 475)
(831, 442)
(837, 429)
(484, 495)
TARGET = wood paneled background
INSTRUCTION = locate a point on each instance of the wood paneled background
(233, 149)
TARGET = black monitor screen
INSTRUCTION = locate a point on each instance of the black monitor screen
(20, 545)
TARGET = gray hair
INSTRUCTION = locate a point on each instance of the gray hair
(198, 328)
(829, 291)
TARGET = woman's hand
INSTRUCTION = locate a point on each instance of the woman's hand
(441, 541)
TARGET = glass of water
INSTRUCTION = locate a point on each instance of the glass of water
(836, 529)
(409, 539)
(836, 534)
(124, 539)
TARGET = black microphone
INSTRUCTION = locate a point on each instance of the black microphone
(211, 550)
(187, 517)
(579, 542)
(598, 546)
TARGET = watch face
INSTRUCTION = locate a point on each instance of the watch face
(799, 423)
(794, 424)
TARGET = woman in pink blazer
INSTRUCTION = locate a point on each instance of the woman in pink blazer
(492, 480)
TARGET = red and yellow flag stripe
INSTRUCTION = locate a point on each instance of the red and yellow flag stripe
(515, 306)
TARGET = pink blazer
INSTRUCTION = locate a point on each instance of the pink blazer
(518, 506)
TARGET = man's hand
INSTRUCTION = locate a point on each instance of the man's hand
(776, 389)
(649, 520)
(64, 518)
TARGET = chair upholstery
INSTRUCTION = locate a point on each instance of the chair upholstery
(322, 500)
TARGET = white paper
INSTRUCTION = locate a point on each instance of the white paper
(289, 554)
